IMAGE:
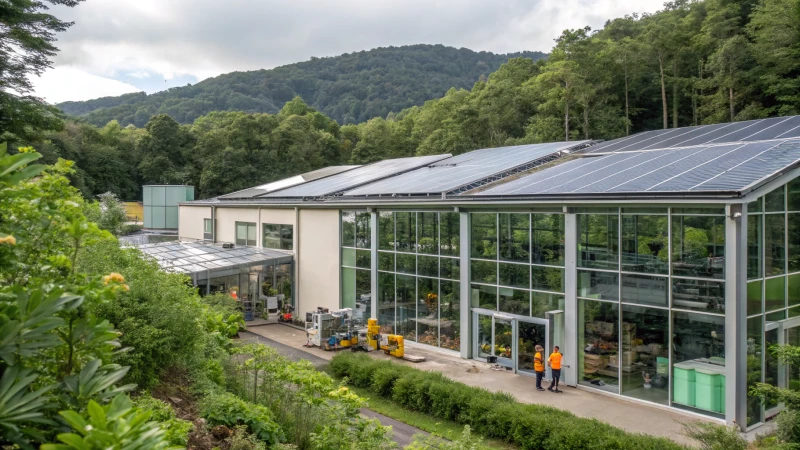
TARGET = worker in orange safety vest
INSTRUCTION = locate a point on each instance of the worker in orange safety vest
(554, 361)
(538, 366)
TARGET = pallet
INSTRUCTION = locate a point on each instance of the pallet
(413, 358)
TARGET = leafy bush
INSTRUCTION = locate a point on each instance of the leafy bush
(496, 415)
(224, 408)
(429, 442)
(715, 437)
(160, 411)
(788, 426)
(242, 440)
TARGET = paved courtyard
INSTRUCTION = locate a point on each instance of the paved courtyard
(628, 415)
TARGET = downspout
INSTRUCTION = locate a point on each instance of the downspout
(296, 246)
(213, 224)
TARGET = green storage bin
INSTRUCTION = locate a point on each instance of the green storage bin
(683, 386)
(707, 390)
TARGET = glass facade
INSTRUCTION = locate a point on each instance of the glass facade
(418, 276)
(356, 283)
(517, 262)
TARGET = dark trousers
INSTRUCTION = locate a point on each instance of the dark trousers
(556, 375)
(539, 376)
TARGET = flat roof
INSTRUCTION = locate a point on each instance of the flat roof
(200, 258)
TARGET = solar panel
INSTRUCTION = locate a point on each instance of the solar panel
(729, 168)
(747, 131)
(452, 173)
(356, 177)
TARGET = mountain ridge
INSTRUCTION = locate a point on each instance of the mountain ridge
(350, 88)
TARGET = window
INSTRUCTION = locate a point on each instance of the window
(246, 234)
(208, 229)
(278, 236)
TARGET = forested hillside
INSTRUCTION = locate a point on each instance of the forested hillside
(692, 63)
(349, 88)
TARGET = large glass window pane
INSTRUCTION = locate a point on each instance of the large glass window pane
(793, 199)
(406, 307)
(515, 236)
(348, 257)
(754, 303)
(241, 233)
(547, 239)
(644, 353)
(698, 246)
(287, 237)
(542, 303)
(598, 341)
(698, 370)
(598, 285)
(271, 237)
(450, 268)
(515, 275)
(775, 294)
(386, 231)
(484, 236)
(386, 261)
(428, 232)
(515, 301)
(428, 266)
(755, 241)
(484, 297)
(774, 201)
(775, 244)
(484, 272)
(348, 287)
(349, 228)
(363, 259)
(251, 234)
(598, 241)
(363, 304)
(794, 242)
(363, 230)
(755, 343)
(794, 289)
(756, 206)
(386, 302)
(406, 263)
(698, 295)
(449, 233)
(450, 312)
(645, 248)
(406, 231)
(547, 278)
(645, 290)
(428, 311)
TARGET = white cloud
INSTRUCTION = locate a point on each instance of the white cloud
(66, 83)
(196, 39)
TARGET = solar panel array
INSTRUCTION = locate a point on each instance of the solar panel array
(260, 190)
(355, 177)
(748, 131)
(451, 173)
(721, 168)
(194, 257)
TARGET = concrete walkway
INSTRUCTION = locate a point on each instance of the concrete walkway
(630, 416)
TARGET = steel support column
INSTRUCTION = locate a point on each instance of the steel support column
(736, 315)
(373, 277)
(464, 298)
(570, 344)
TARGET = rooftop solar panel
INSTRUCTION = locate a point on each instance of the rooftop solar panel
(452, 173)
(729, 168)
(747, 131)
(356, 177)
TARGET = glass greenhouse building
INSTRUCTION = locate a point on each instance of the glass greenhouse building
(663, 264)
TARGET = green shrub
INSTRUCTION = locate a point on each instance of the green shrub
(497, 415)
(715, 437)
(177, 429)
(223, 408)
(788, 427)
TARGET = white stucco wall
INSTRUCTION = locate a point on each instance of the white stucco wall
(190, 221)
(226, 222)
(318, 260)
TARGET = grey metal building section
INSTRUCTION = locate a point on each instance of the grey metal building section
(199, 259)
(356, 177)
(747, 131)
(452, 173)
(723, 168)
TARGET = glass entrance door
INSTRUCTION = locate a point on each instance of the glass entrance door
(511, 339)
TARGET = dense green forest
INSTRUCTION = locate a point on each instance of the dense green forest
(695, 62)
(349, 88)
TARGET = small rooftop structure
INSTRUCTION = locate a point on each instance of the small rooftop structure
(202, 260)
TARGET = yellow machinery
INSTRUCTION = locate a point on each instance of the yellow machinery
(392, 344)
(373, 331)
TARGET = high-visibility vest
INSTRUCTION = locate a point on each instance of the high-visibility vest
(555, 360)
(538, 362)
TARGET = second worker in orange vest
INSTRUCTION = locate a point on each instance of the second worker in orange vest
(554, 361)
(538, 366)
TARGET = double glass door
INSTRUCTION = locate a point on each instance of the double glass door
(511, 339)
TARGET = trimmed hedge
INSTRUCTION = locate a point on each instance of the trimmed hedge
(493, 414)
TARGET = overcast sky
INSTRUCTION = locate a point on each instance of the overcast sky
(119, 46)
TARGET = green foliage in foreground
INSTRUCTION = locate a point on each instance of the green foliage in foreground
(494, 415)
